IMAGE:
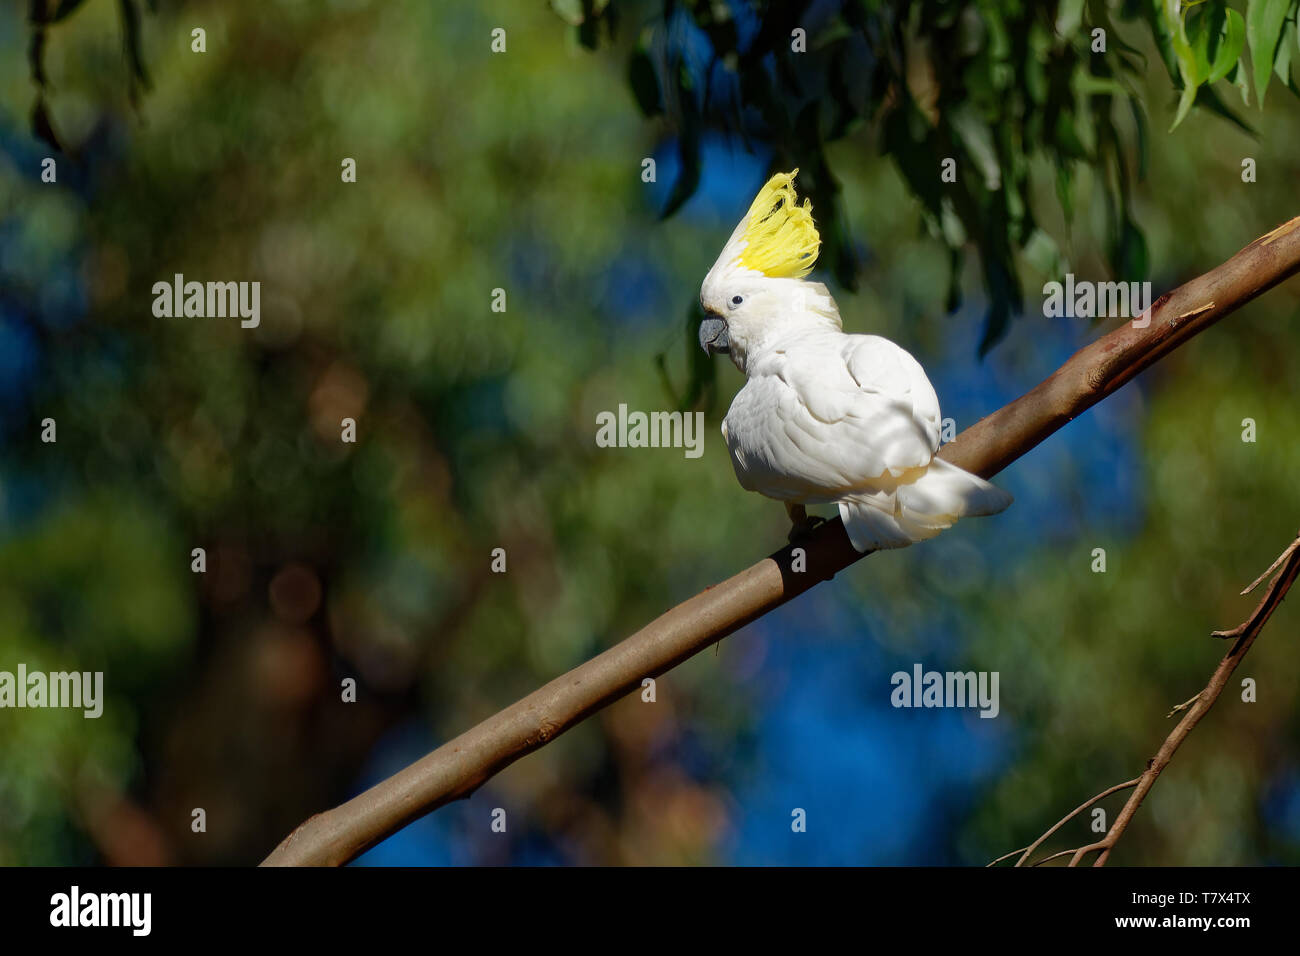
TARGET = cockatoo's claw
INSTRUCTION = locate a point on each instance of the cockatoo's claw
(801, 523)
(800, 531)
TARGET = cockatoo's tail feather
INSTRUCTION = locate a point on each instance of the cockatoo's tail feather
(780, 238)
(919, 509)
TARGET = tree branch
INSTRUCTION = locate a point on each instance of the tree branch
(1244, 635)
(460, 766)
(1029, 850)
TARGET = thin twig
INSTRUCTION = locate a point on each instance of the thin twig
(1029, 850)
(1196, 707)
(1006, 856)
(1049, 859)
(1272, 567)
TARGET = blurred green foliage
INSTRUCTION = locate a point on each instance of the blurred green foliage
(998, 86)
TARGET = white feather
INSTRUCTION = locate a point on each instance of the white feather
(851, 419)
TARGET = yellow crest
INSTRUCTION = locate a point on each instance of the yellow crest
(780, 238)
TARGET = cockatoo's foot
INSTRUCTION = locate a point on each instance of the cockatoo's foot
(801, 523)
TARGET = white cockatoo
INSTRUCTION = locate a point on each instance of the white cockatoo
(824, 416)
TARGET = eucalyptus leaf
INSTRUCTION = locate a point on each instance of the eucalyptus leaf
(1231, 43)
(1186, 59)
(1264, 22)
(644, 81)
(1282, 61)
(64, 9)
(1203, 26)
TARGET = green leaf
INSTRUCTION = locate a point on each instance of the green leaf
(954, 233)
(1067, 139)
(1282, 61)
(978, 140)
(1089, 85)
(1204, 26)
(644, 81)
(1140, 134)
(570, 11)
(688, 180)
(1068, 17)
(1131, 256)
(952, 301)
(134, 45)
(1264, 22)
(1231, 42)
(1042, 253)
(64, 9)
(1003, 287)
(1238, 77)
(1185, 102)
(1185, 57)
(1162, 28)
(42, 128)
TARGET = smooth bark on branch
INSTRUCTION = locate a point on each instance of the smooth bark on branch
(460, 766)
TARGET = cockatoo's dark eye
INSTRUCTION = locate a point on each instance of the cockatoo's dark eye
(737, 299)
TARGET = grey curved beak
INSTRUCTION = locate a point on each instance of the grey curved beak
(713, 335)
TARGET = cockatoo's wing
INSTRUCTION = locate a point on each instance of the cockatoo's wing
(832, 416)
(878, 365)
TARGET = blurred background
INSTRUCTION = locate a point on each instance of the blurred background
(523, 170)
